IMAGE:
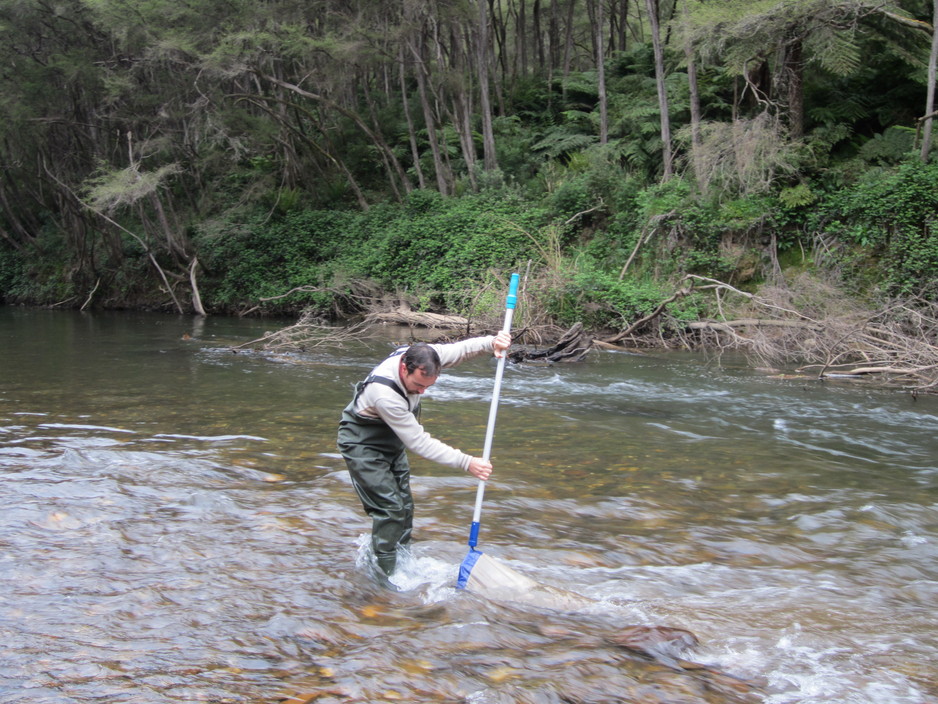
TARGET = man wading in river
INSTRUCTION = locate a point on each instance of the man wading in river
(381, 423)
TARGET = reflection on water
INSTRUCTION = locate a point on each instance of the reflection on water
(178, 528)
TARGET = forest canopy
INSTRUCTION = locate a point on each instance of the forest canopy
(325, 155)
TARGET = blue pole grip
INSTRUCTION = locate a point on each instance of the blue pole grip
(474, 534)
(512, 292)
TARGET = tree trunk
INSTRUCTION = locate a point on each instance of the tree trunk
(419, 319)
(695, 115)
(538, 35)
(727, 325)
(196, 297)
(553, 36)
(411, 132)
(622, 25)
(667, 167)
(391, 162)
(521, 32)
(390, 168)
(568, 47)
(794, 78)
(601, 70)
(387, 154)
(439, 165)
(462, 121)
(499, 34)
(489, 159)
(310, 118)
(930, 95)
(24, 228)
(174, 245)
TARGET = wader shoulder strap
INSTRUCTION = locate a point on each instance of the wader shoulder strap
(387, 382)
(381, 380)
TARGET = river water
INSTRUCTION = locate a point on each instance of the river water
(177, 527)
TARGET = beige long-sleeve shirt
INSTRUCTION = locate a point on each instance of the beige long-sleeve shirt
(381, 401)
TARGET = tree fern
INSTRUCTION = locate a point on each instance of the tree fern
(561, 140)
(834, 50)
(890, 147)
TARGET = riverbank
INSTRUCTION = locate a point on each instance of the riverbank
(806, 325)
(806, 321)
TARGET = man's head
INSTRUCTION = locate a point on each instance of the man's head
(420, 367)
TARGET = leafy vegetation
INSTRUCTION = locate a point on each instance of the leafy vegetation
(431, 247)
(887, 223)
(273, 156)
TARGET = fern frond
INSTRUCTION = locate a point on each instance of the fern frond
(557, 142)
(835, 50)
(889, 147)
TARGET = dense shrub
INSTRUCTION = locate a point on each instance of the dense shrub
(269, 257)
(888, 218)
(432, 247)
(600, 300)
(11, 274)
(438, 246)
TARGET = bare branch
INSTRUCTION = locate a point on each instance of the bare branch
(809, 323)
(303, 335)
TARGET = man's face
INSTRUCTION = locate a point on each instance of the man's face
(417, 382)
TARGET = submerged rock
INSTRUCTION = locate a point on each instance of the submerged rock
(655, 641)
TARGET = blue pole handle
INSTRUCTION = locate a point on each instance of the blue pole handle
(474, 534)
(512, 299)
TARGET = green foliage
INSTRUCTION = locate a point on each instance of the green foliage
(688, 233)
(662, 198)
(582, 90)
(635, 123)
(599, 300)
(513, 144)
(614, 242)
(435, 248)
(572, 195)
(109, 191)
(12, 275)
(737, 31)
(36, 272)
(890, 147)
(179, 98)
(267, 258)
(561, 142)
(797, 196)
(445, 248)
(890, 215)
(837, 50)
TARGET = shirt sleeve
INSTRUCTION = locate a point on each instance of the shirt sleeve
(403, 422)
(458, 352)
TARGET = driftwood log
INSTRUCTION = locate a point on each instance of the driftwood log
(425, 320)
(572, 347)
(728, 325)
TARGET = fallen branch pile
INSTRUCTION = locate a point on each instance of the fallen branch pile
(805, 323)
(809, 324)
(571, 347)
(307, 333)
(899, 342)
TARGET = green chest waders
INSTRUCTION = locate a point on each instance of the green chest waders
(380, 473)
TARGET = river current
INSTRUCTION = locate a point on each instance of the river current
(176, 526)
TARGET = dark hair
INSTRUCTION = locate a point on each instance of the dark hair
(423, 357)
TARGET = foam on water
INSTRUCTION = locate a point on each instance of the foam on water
(417, 570)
